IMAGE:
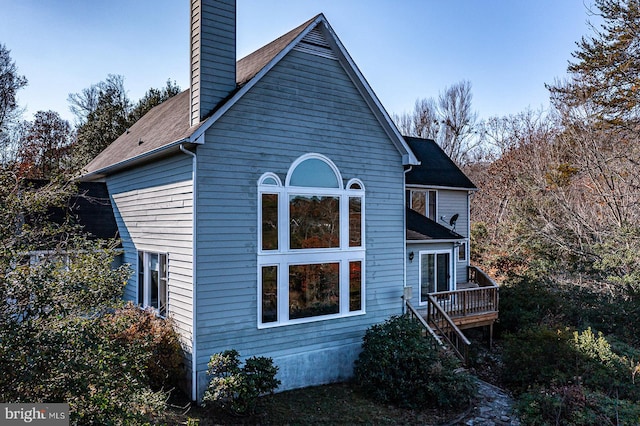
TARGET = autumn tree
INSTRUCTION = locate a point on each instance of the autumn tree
(599, 107)
(44, 146)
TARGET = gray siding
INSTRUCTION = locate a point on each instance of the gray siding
(153, 206)
(451, 202)
(305, 104)
(213, 54)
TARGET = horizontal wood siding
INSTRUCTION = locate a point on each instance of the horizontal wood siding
(154, 210)
(305, 104)
(452, 202)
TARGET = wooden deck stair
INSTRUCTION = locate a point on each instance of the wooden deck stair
(448, 313)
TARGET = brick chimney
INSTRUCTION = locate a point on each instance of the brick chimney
(213, 55)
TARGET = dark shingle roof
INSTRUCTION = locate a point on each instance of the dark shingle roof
(436, 168)
(163, 124)
(421, 228)
(169, 121)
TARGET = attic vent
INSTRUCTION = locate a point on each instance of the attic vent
(315, 43)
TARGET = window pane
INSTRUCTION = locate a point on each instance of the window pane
(269, 294)
(140, 278)
(162, 285)
(314, 290)
(269, 221)
(443, 271)
(462, 252)
(427, 278)
(153, 274)
(418, 202)
(355, 222)
(432, 205)
(355, 286)
(314, 173)
(269, 181)
(314, 222)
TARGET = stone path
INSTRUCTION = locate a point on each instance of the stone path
(492, 408)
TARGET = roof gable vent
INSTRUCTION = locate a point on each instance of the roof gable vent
(315, 43)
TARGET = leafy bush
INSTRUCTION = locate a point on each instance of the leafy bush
(526, 302)
(398, 365)
(537, 356)
(157, 337)
(67, 338)
(548, 358)
(574, 405)
(236, 389)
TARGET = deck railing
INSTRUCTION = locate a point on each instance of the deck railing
(445, 327)
(470, 301)
(429, 333)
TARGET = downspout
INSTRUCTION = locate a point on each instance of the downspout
(404, 229)
(194, 222)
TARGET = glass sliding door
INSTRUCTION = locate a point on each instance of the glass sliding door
(435, 273)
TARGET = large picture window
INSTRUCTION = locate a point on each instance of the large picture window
(152, 281)
(311, 244)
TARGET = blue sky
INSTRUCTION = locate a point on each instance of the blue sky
(406, 49)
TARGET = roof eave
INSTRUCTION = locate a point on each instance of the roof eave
(435, 241)
(142, 158)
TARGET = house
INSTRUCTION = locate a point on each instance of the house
(264, 207)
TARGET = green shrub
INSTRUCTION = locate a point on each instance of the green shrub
(574, 405)
(537, 356)
(601, 369)
(398, 365)
(236, 389)
(526, 302)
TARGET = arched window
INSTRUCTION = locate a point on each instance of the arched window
(311, 244)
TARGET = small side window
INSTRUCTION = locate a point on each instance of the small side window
(152, 281)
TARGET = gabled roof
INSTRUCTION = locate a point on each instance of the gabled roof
(166, 126)
(421, 228)
(435, 168)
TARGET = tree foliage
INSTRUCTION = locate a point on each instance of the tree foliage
(10, 83)
(104, 111)
(45, 146)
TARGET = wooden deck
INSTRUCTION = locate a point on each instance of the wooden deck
(473, 304)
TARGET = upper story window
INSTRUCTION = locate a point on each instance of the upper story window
(311, 244)
(424, 202)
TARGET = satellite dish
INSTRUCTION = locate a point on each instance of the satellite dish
(453, 220)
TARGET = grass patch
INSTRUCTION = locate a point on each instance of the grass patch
(337, 403)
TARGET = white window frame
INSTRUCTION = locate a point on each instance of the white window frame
(163, 275)
(283, 257)
(452, 269)
(463, 254)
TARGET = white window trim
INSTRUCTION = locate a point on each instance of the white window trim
(464, 249)
(284, 257)
(452, 269)
(146, 302)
